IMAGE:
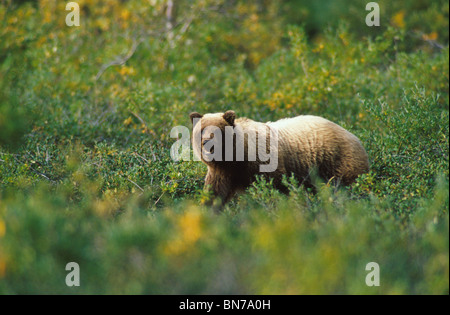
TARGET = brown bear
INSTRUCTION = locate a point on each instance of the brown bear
(236, 150)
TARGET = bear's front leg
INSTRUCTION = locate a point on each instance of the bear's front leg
(221, 185)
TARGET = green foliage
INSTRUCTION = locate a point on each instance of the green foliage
(85, 167)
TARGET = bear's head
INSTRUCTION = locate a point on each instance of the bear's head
(209, 135)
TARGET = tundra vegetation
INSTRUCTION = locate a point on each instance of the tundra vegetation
(85, 169)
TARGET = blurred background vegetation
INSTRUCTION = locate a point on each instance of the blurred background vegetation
(86, 174)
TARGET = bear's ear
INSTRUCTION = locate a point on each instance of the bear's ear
(229, 117)
(195, 115)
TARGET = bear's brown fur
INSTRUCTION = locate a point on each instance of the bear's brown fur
(305, 143)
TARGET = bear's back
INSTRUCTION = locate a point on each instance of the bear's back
(305, 141)
(311, 130)
(304, 122)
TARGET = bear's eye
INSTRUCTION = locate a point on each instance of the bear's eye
(205, 142)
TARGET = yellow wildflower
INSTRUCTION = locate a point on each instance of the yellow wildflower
(399, 19)
(2, 228)
(124, 70)
(127, 121)
(431, 36)
(125, 14)
(189, 231)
